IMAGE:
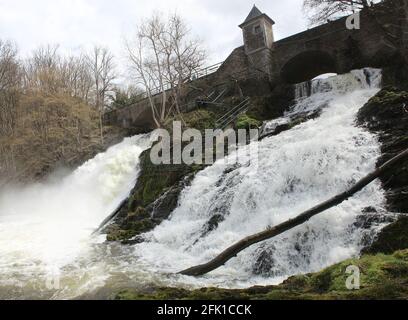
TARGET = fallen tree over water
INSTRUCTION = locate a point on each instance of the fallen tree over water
(272, 232)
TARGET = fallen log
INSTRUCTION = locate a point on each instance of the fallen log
(233, 251)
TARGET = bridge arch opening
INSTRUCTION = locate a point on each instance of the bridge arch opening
(308, 65)
(325, 76)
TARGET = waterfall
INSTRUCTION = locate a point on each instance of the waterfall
(46, 228)
(296, 170)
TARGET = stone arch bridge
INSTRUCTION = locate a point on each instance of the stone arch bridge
(332, 48)
(262, 63)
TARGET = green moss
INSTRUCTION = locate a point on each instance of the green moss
(246, 122)
(120, 235)
(158, 294)
(382, 277)
(142, 226)
(137, 215)
(153, 189)
(154, 180)
(384, 105)
(200, 119)
(389, 95)
(153, 183)
(130, 229)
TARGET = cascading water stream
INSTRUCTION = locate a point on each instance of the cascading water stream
(295, 171)
(45, 227)
(48, 227)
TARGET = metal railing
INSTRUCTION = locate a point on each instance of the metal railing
(199, 73)
(233, 114)
(213, 98)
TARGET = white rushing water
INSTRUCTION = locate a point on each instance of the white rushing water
(46, 228)
(296, 170)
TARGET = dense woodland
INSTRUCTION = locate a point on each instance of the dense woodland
(51, 107)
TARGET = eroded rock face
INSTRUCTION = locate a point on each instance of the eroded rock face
(386, 114)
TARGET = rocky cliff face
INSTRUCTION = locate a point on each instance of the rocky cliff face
(383, 265)
(386, 114)
(152, 200)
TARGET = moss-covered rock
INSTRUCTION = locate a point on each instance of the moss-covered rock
(246, 122)
(200, 119)
(135, 223)
(271, 106)
(292, 122)
(386, 114)
(392, 238)
(381, 277)
(152, 200)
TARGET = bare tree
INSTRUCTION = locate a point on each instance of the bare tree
(185, 57)
(41, 70)
(8, 65)
(164, 57)
(10, 76)
(45, 108)
(319, 11)
(77, 77)
(48, 72)
(102, 67)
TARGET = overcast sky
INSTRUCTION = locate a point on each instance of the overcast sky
(76, 24)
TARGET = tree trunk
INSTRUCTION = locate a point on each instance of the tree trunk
(233, 251)
(101, 126)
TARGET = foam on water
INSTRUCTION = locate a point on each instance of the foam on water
(44, 227)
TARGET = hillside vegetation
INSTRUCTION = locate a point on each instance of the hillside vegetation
(382, 277)
(50, 112)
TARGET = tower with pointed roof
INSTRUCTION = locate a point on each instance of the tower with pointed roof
(257, 31)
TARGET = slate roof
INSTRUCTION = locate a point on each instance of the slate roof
(254, 14)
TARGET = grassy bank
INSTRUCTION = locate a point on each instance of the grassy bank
(382, 277)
